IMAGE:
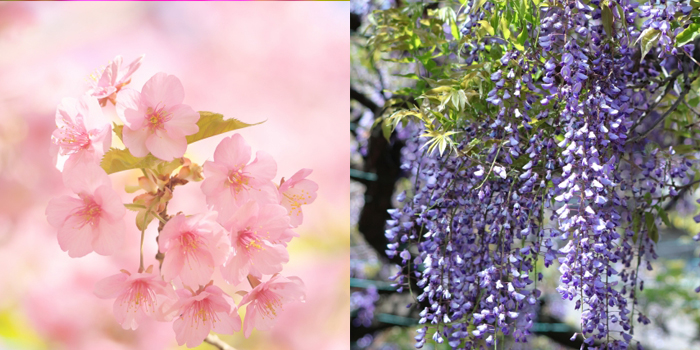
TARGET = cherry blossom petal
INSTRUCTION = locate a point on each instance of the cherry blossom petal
(102, 141)
(245, 215)
(75, 237)
(171, 229)
(111, 286)
(172, 265)
(236, 268)
(263, 168)
(183, 121)
(303, 193)
(232, 152)
(197, 268)
(109, 237)
(164, 90)
(93, 117)
(250, 320)
(165, 146)
(85, 178)
(66, 111)
(298, 176)
(273, 221)
(130, 69)
(291, 290)
(128, 102)
(124, 313)
(135, 141)
(270, 258)
(60, 208)
(110, 204)
(227, 323)
(187, 331)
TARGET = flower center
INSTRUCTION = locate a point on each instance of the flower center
(237, 180)
(189, 242)
(199, 312)
(140, 295)
(71, 137)
(296, 200)
(249, 240)
(157, 117)
(268, 303)
(90, 213)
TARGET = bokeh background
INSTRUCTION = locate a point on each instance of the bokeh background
(286, 63)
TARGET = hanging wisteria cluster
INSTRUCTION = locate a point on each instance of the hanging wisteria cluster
(556, 136)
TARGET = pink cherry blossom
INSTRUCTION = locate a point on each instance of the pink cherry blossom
(230, 181)
(267, 298)
(202, 312)
(193, 247)
(155, 119)
(91, 221)
(295, 192)
(112, 79)
(254, 231)
(137, 296)
(83, 134)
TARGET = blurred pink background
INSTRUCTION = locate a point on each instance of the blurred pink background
(286, 63)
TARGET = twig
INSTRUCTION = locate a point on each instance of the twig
(669, 87)
(364, 100)
(218, 343)
(681, 98)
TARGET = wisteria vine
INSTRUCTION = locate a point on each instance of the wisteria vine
(557, 132)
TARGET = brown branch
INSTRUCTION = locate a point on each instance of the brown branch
(218, 343)
(364, 100)
(671, 81)
(681, 98)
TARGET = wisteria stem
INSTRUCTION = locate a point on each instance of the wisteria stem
(218, 343)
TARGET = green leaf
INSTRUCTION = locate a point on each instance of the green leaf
(134, 207)
(477, 5)
(684, 149)
(487, 26)
(387, 128)
(504, 27)
(408, 76)
(116, 160)
(688, 34)
(664, 216)
(142, 220)
(519, 43)
(607, 17)
(118, 130)
(212, 124)
(623, 19)
(166, 168)
(648, 38)
(654, 233)
(652, 230)
(636, 224)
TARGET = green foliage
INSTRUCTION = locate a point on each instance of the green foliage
(672, 291)
(688, 34)
(210, 124)
(607, 17)
(116, 160)
(648, 39)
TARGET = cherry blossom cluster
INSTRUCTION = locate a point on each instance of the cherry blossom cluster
(569, 168)
(243, 232)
